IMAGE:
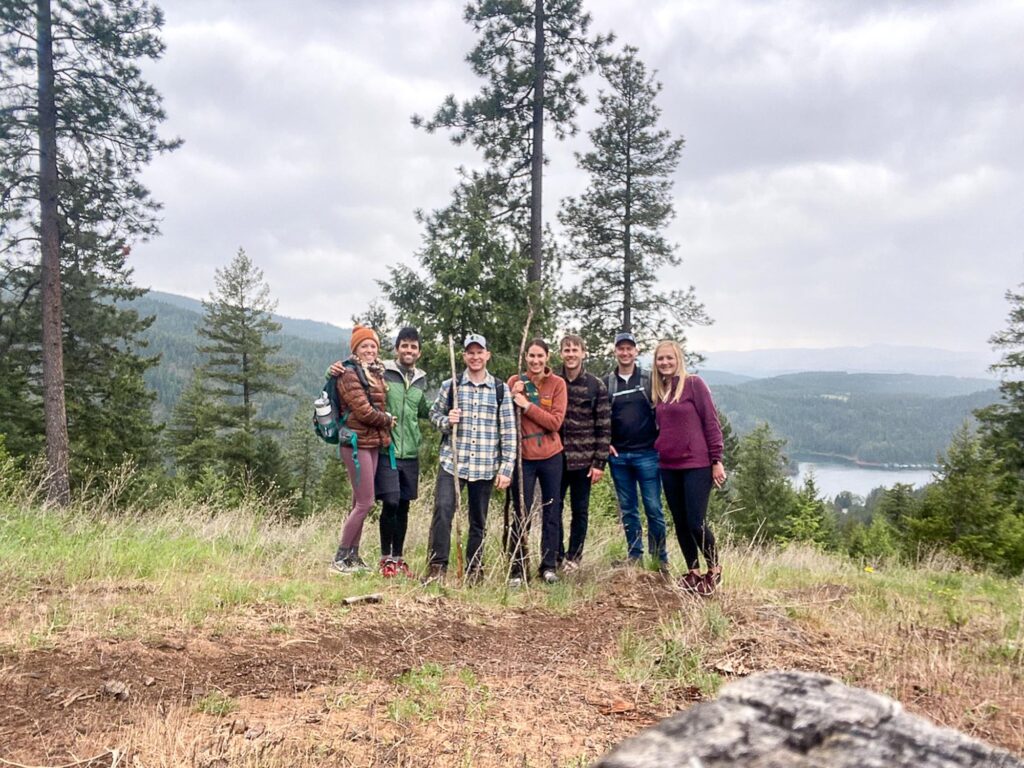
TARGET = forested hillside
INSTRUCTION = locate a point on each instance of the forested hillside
(173, 336)
(888, 418)
(884, 418)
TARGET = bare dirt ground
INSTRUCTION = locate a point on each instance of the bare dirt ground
(423, 679)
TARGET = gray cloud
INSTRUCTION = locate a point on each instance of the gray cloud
(852, 172)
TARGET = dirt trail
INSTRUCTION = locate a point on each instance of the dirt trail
(418, 680)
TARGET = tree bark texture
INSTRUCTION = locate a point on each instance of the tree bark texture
(537, 167)
(55, 414)
(801, 720)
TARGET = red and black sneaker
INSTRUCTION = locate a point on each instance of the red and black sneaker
(388, 568)
(402, 569)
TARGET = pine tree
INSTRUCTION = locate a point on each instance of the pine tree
(77, 200)
(963, 511)
(616, 226)
(810, 520)
(192, 432)
(470, 279)
(1002, 424)
(764, 494)
(239, 363)
(532, 55)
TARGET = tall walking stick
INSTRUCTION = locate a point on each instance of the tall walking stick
(455, 467)
(519, 453)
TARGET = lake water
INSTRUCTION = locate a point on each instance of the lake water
(832, 479)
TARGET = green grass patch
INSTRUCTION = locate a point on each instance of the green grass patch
(216, 703)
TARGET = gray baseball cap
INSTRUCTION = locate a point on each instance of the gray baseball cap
(474, 338)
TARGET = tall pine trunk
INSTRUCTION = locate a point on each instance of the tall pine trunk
(58, 488)
(537, 166)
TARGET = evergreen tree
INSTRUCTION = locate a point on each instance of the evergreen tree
(1002, 424)
(897, 506)
(304, 456)
(766, 499)
(616, 226)
(192, 432)
(470, 279)
(77, 200)
(810, 520)
(532, 55)
(963, 511)
(239, 365)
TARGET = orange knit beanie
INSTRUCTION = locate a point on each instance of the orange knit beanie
(359, 335)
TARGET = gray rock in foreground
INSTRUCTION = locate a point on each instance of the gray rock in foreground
(801, 720)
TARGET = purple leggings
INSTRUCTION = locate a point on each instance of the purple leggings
(362, 494)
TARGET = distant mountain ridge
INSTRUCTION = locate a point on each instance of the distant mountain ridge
(873, 417)
(312, 330)
(874, 358)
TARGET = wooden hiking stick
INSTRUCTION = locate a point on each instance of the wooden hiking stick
(455, 467)
(519, 446)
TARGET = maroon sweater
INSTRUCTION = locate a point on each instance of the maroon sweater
(689, 435)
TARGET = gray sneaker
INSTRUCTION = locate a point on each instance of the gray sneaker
(344, 567)
(549, 576)
(515, 583)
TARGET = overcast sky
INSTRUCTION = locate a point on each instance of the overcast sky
(853, 171)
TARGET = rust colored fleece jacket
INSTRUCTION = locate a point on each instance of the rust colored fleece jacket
(543, 419)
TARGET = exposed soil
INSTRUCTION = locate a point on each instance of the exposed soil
(510, 687)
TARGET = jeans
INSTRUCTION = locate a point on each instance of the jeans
(629, 470)
(549, 473)
(576, 482)
(479, 493)
(688, 491)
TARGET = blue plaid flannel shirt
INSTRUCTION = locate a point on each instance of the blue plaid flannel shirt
(487, 443)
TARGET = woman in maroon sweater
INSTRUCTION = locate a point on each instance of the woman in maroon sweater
(689, 447)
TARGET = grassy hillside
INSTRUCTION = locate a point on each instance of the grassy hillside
(192, 636)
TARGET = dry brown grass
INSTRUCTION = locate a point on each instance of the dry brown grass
(244, 620)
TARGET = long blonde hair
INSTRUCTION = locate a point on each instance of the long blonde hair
(660, 384)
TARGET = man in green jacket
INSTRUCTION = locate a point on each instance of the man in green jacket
(395, 488)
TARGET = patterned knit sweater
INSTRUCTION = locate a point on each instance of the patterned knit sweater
(587, 430)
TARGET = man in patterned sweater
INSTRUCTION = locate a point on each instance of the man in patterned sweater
(486, 454)
(586, 434)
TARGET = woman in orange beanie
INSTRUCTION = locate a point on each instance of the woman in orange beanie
(362, 394)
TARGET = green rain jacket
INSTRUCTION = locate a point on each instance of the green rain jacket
(407, 400)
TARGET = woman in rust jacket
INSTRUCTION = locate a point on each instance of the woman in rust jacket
(541, 397)
(362, 394)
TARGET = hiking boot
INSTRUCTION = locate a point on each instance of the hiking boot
(709, 583)
(436, 573)
(402, 568)
(691, 581)
(474, 577)
(388, 568)
(665, 571)
(549, 576)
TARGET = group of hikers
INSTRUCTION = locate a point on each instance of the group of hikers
(654, 431)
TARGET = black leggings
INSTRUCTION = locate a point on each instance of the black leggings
(394, 520)
(687, 492)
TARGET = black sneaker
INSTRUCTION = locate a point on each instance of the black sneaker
(475, 577)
